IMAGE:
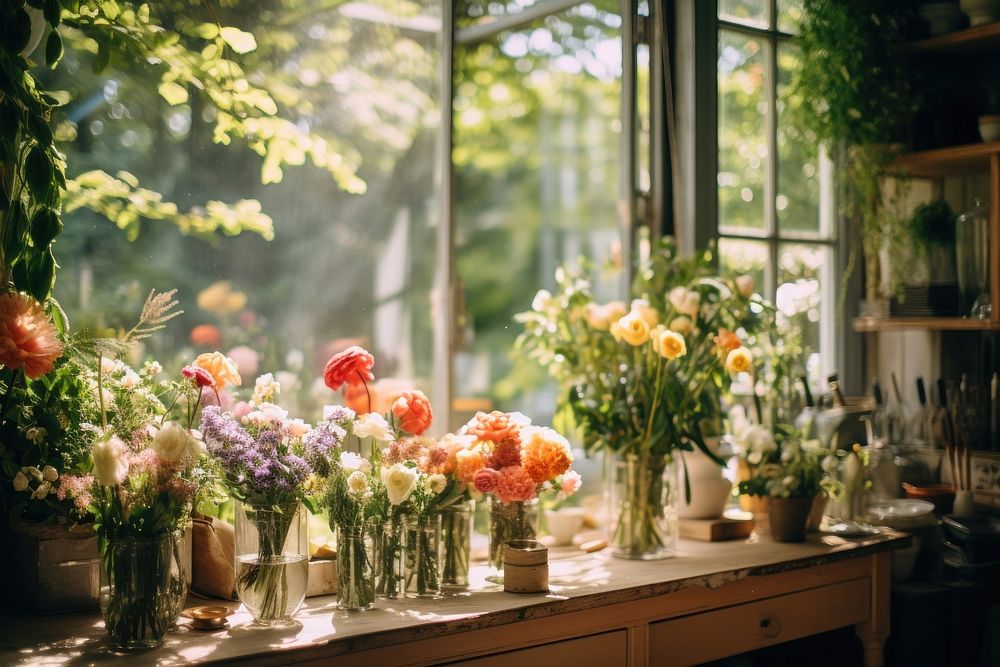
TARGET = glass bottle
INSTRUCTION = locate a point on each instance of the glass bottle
(972, 248)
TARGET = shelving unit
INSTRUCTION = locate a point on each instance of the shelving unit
(981, 39)
(874, 325)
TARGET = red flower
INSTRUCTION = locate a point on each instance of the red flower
(485, 481)
(28, 340)
(206, 335)
(353, 366)
(201, 377)
(413, 411)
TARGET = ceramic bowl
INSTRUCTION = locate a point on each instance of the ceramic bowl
(900, 514)
(989, 127)
(563, 524)
(942, 496)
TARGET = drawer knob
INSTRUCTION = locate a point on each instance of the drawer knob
(770, 627)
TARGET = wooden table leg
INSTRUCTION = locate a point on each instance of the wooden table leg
(875, 630)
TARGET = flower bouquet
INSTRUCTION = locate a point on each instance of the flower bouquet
(512, 461)
(261, 452)
(642, 381)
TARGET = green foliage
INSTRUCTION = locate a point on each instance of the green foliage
(797, 473)
(933, 224)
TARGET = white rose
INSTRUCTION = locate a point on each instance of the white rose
(357, 484)
(32, 471)
(436, 483)
(745, 285)
(43, 490)
(50, 474)
(20, 481)
(542, 300)
(36, 434)
(373, 425)
(130, 380)
(352, 462)
(400, 482)
(110, 464)
(173, 442)
(297, 427)
(265, 414)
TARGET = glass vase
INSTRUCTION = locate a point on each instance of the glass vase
(456, 545)
(972, 243)
(355, 575)
(387, 547)
(642, 497)
(516, 520)
(272, 560)
(423, 555)
(143, 587)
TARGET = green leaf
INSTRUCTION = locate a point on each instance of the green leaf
(238, 40)
(42, 275)
(17, 32)
(45, 227)
(38, 172)
(53, 49)
(207, 30)
(41, 129)
(13, 232)
(173, 93)
(53, 12)
(59, 317)
(111, 9)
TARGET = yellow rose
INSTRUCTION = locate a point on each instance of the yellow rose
(220, 367)
(739, 360)
(681, 324)
(648, 312)
(632, 328)
(670, 344)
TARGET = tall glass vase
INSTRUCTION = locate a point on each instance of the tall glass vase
(516, 520)
(387, 546)
(456, 545)
(355, 574)
(642, 497)
(143, 586)
(423, 555)
(272, 560)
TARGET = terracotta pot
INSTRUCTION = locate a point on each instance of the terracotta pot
(788, 517)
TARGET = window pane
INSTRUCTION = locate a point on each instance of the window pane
(642, 121)
(537, 134)
(748, 12)
(790, 14)
(802, 269)
(743, 144)
(738, 256)
(354, 204)
(482, 12)
(797, 200)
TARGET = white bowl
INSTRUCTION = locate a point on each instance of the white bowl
(563, 524)
(989, 127)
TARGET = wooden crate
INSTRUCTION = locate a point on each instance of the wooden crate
(51, 569)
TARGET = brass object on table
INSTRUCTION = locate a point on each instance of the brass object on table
(208, 617)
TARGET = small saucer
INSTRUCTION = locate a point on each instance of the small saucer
(208, 617)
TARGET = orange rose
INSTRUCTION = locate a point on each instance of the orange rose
(727, 341)
(494, 427)
(413, 412)
(545, 454)
(221, 367)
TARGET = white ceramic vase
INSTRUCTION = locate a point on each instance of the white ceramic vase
(710, 490)
(563, 524)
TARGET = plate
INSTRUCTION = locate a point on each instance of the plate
(901, 509)
(845, 528)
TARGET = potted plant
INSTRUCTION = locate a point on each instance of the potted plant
(852, 94)
(931, 231)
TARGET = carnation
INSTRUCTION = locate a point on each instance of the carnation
(28, 340)
(515, 484)
(545, 454)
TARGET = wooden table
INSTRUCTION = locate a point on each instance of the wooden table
(711, 601)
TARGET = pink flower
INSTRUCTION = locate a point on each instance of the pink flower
(515, 484)
(241, 410)
(246, 359)
(571, 482)
(485, 481)
(28, 340)
(76, 487)
(199, 376)
(353, 366)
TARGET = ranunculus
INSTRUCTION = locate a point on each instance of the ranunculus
(485, 481)
(436, 483)
(20, 481)
(373, 425)
(727, 340)
(400, 481)
(199, 376)
(28, 340)
(669, 344)
(297, 427)
(647, 312)
(246, 359)
(739, 360)
(173, 442)
(413, 412)
(632, 328)
(353, 366)
(494, 426)
(351, 461)
(50, 474)
(744, 284)
(357, 483)
(222, 368)
(569, 484)
(206, 335)
(468, 462)
(682, 324)
(110, 461)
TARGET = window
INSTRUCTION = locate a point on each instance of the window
(775, 208)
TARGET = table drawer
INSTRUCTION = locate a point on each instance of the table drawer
(707, 636)
(602, 650)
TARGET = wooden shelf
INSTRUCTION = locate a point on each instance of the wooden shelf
(947, 161)
(981, 39)
(873, 324)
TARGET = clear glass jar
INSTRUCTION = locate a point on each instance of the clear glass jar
(388, 546)
(516, 520)
(355, 575)
(972, 248)
(272, 560)
(143, 588)
(456, 544)
(849, 485)
(642, 505)
(423, 555)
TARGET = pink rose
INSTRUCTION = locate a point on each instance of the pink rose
(485, 481)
